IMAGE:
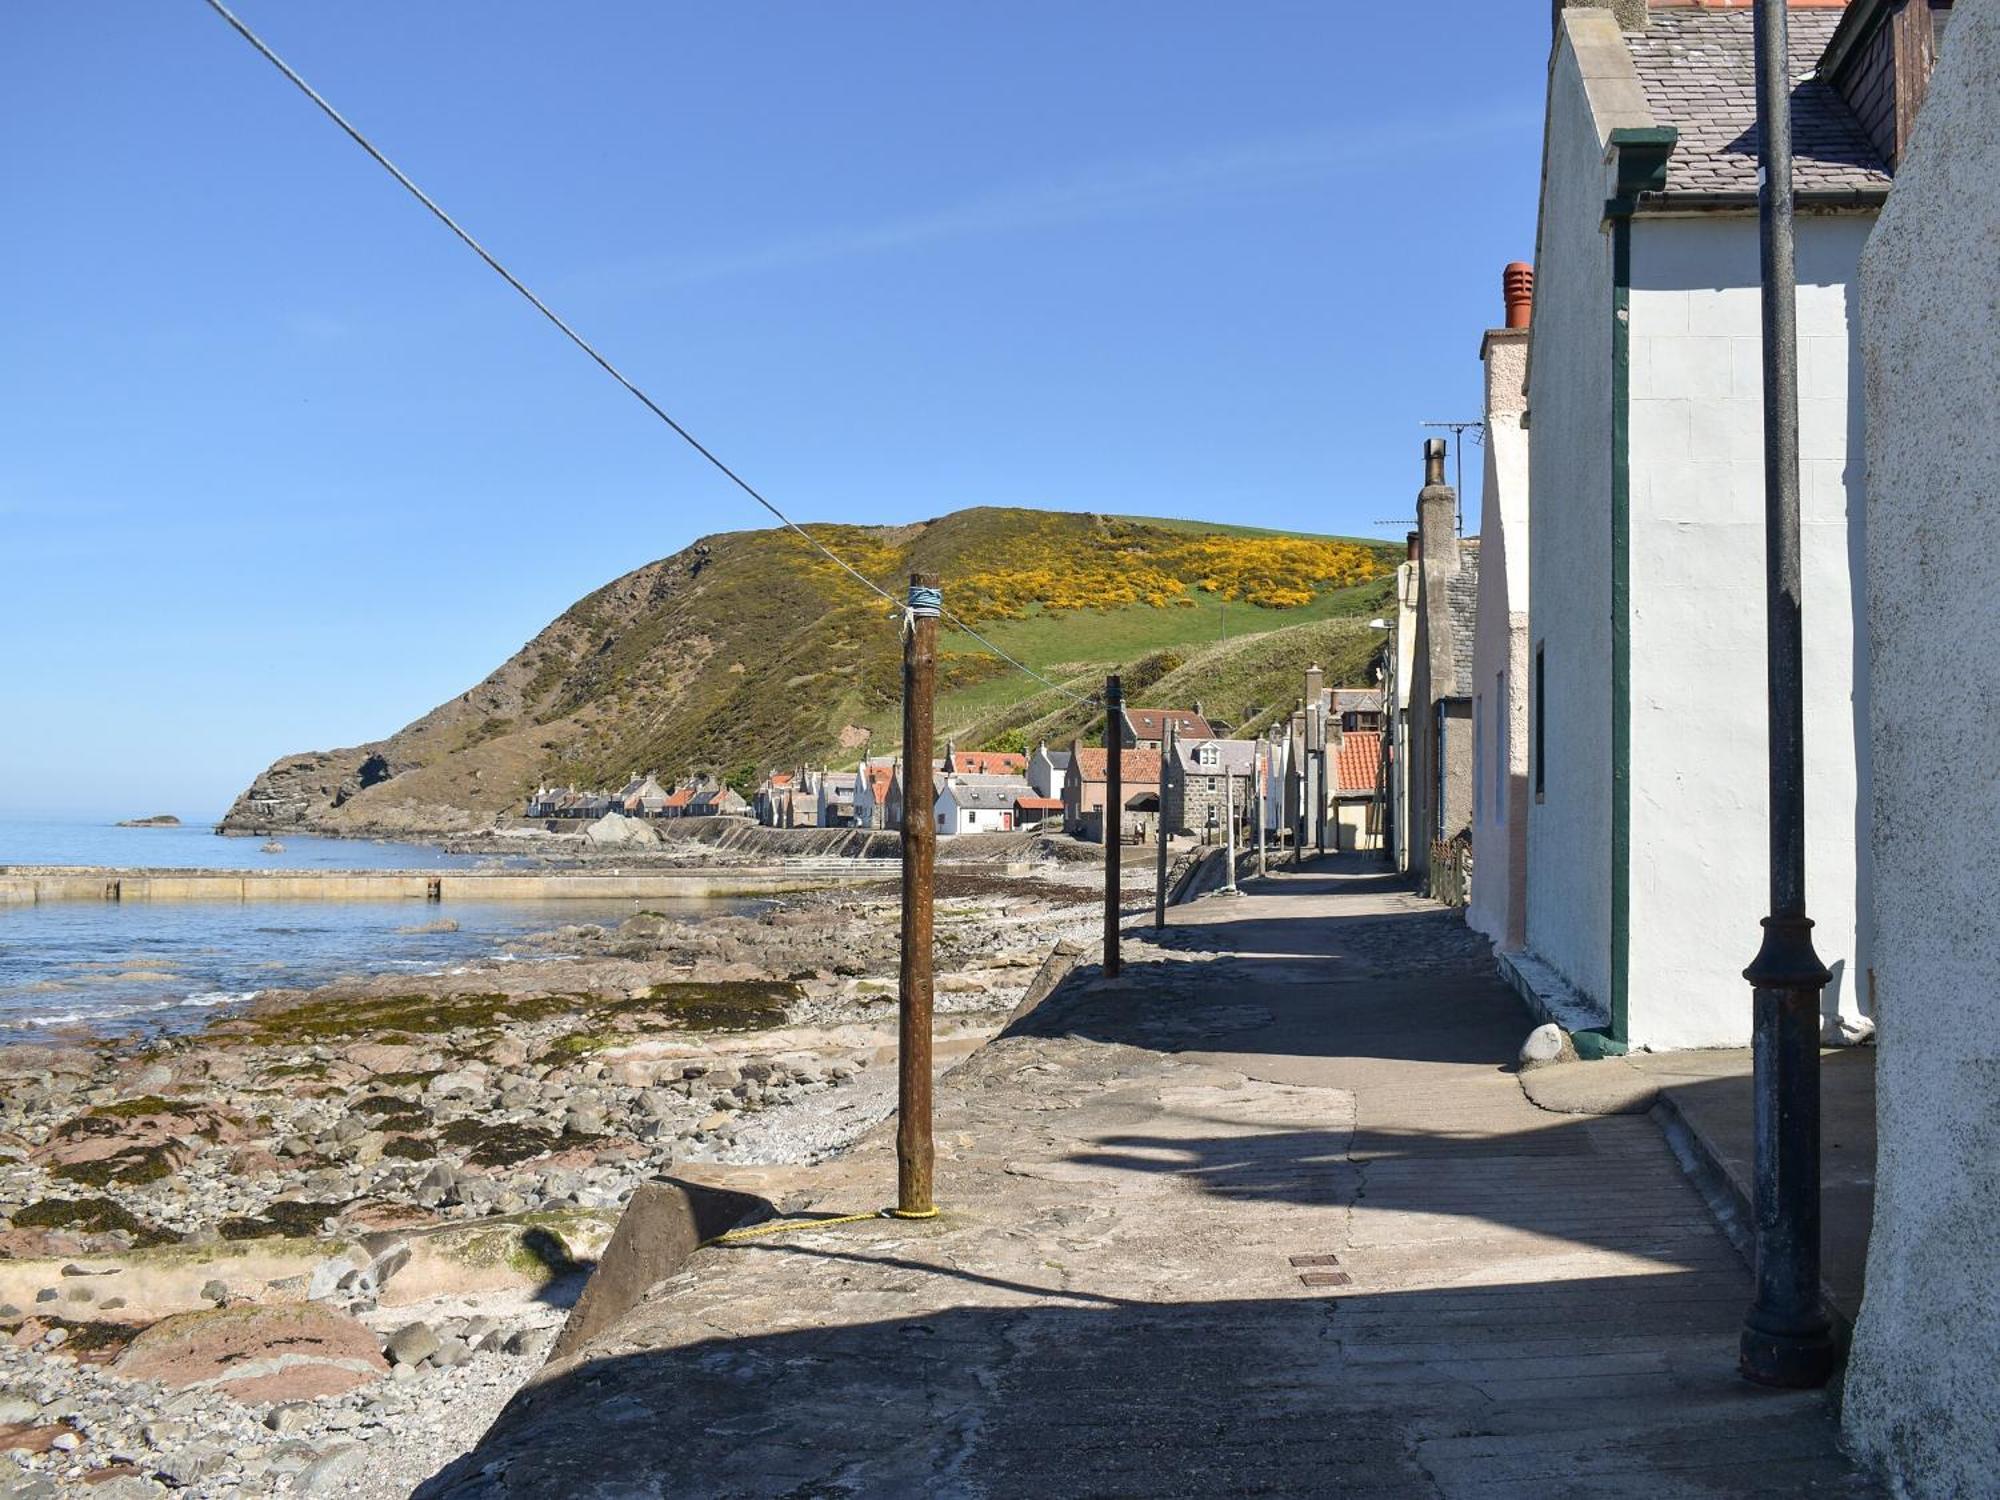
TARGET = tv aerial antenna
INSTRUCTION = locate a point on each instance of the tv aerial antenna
(1458, 432)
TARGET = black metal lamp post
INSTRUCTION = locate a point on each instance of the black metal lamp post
(1787, 1338)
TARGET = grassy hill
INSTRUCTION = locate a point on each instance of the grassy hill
(749, 650)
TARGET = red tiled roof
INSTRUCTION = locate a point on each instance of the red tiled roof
(988, 762)
(680, 798)
(879, 778)
(1360, 760)
(781, 778)
(1135, 766)
(1039, 804)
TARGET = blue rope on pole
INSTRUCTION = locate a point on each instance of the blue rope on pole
(925, 603)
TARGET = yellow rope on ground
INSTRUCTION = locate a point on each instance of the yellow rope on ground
(790, 1226)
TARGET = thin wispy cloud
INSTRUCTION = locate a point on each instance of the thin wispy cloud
(1091, 193)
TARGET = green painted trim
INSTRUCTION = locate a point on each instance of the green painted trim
(1596, 1044)
(1621, 629)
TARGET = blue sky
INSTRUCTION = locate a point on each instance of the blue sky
(282, 466)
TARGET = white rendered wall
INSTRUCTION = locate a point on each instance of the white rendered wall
(1700, 830)
(1498, 906)
(1923, 1387)
(1569, 541)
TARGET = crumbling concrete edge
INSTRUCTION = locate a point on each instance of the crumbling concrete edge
(1203, 875)
(1063, 958)
(667, 1220)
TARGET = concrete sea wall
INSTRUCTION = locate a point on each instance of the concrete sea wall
(20, 884)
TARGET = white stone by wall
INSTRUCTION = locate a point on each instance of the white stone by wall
(1498, 906)
(1923, 1386)
(1569, 539)
(1700, 832)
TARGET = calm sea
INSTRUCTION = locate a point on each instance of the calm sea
(123, 967)
(193, 847)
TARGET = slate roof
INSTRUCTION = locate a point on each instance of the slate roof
(1151, 723)
(1461, 597)
(1237, 757)
(988, 793)
(1698, 69)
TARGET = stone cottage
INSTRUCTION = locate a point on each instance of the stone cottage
(1200, 774)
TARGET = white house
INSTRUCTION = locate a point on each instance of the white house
(1499, 901)
(871, 793)
(1402, 660)
(1647, 834)
(979, 804)
(1922, 1397)
(1046, 770)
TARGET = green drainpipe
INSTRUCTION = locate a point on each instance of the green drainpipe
(1641, 167)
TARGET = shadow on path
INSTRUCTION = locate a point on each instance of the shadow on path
(1467, 1392)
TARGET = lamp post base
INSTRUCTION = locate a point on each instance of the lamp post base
(1794, 1359)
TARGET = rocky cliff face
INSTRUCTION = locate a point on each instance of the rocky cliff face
(293, 791)
(591, 691)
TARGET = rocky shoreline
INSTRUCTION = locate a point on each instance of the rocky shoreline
(314, 1247)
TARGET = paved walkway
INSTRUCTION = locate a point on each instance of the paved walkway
(1710, 1097)
(1270, 1215)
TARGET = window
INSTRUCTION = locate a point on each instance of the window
(1538, 747)
(1208, 755)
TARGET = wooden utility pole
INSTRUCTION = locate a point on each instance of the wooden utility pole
(1114, 821)
(914, 1155)
(1160, 878)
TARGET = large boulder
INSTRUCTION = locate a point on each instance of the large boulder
(616, 831)
(257, 1354)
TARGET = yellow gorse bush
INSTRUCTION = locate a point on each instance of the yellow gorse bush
(1119, 565)
(1274, 572)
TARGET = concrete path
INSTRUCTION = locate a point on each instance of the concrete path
(1708, 1099)
(1270, 1215)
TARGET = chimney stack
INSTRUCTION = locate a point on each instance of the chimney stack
(1517, 288)
(1437, 516)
